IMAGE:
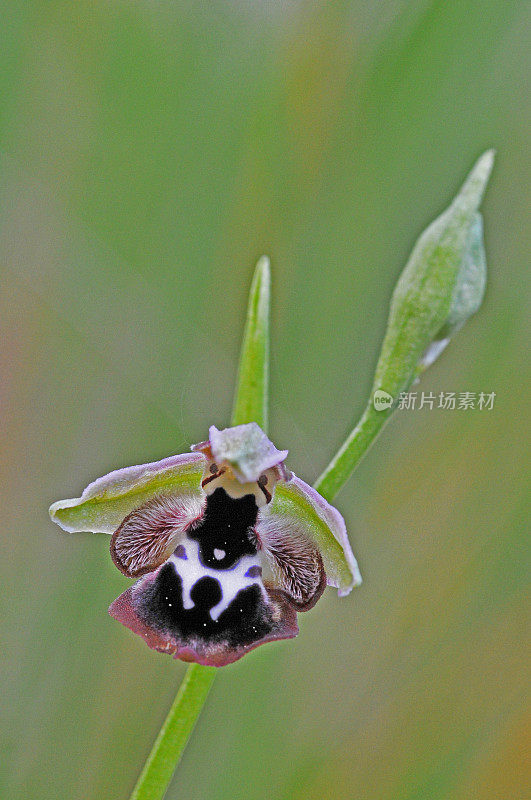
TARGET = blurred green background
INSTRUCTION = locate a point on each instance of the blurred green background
(149, 153)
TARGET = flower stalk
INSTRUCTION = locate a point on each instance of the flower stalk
(174, 734)
(250, 405)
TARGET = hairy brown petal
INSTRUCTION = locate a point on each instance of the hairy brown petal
(149, 534)
(295, 562)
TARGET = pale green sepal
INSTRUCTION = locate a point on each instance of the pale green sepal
(246, 449)
(297, 504)
(107, 501)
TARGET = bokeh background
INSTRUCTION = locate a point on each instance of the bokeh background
(149, 153)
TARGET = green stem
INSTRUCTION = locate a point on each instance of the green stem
(250, 405)
(174, 734)
(351, 452)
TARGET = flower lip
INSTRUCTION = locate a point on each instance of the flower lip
(245, 448)
(127, 609)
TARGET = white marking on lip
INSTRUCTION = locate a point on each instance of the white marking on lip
(231, 580)
(219, 554)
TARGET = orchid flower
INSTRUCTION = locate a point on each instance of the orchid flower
(228, 545)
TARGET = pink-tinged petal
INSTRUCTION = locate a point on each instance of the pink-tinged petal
(246, 449)
(108, 500)
(156, 609)
(297, 507)
(149, 534)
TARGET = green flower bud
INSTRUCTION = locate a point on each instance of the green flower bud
(441, 286)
